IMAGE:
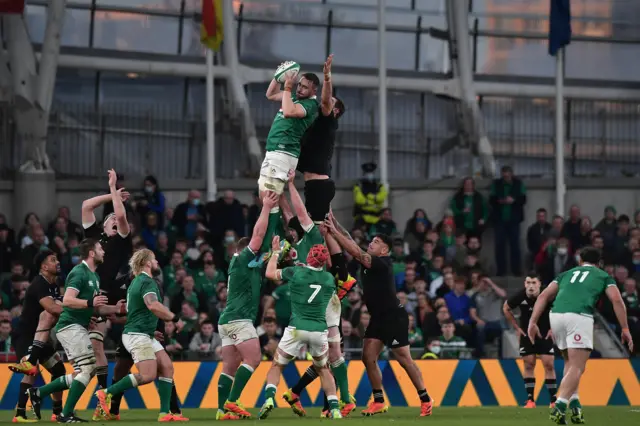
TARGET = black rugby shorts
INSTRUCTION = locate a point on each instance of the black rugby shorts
(318, 195)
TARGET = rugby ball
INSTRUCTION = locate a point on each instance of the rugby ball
(286, 68)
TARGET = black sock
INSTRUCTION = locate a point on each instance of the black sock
(175, 402)
(378, 396)
(326, 403)
(530, 387)
(424, 395)
(552, 388)
(57, 407)
(102, 372)
(22, 400)
(309, 376)
(115, 401)
(36, 350)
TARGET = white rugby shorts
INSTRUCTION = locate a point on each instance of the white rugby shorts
(332, 314)
(293, 341)
(76, 343)
(274, 171)
(141, 347)
(572, 331)
(237, 332)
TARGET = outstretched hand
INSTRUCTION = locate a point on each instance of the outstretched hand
(327, 66)
(330, 226)
(291, 175)
(113, 178)
(275, 243)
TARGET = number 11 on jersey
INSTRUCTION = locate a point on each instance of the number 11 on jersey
(576, 274)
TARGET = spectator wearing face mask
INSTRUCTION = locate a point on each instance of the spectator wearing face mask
(559, 259)
(152, 201)
(415, 230)
(225, 214)
(188, 215)
(369, 196)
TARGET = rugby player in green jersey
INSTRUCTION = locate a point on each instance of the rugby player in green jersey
(144, 308)
(240, 345)
(576, 293)
(311, 291)
(296, 114)
(82, 300)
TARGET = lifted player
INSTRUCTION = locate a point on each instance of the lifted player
(115, 238)
(296, 114)
(144, 308)
(525, 299)
(81, 301)
(576, 293)
(240, 345)
(311, 291)
(40, 311)
(317, 150)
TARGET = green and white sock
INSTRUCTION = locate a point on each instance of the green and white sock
(339, 369)
(561, 405)
(243, 375)
(333, 402)
(122, 385)
(165, 387)
(270, 392)
(574, 401)
(57, 385)
(75, 392)
(225, 382)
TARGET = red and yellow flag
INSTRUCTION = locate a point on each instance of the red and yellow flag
(211, 30)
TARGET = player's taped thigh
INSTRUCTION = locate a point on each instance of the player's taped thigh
(336, 338)
(266, 183)
(281, 359)
(321, 361)
(86, 366)
(96, 335)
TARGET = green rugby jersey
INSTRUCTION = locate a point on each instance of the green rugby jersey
(87, 283)
(311, 291)
(579, 290)
(243, 289)
(285, 133)
(140, 320)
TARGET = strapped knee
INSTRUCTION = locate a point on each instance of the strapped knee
(321, 362)
(96, 335)
(280, 360)
(334, 339)
(87, 371)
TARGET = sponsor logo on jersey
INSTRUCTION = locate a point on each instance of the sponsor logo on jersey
(577, 337)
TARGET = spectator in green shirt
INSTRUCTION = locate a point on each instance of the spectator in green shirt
(507, 199)
(207, 280)
(451, 346)
(415, 334)
(470, 208)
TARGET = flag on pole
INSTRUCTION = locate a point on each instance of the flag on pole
(559, 25)
(211, 27)
(11, 6)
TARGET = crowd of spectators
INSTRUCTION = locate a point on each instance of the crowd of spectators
(443, 275)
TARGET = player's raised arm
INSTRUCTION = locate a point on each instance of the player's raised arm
(269, 201)
(613, 293)
(273, 91)
(346, 242)
(541, 303)
(118, 206)
(289, 108)
(298, 205)
(89, 206)
(285, 209)
(273, 273)
(326, 103)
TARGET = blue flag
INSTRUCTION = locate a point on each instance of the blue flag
(559, 25)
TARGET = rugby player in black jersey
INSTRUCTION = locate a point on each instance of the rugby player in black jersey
(115, 238)
(40, 311)
(389, 324)
(525, 299)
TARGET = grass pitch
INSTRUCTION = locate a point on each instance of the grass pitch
(397, 416)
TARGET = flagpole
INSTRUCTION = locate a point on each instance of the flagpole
(212, 188)
(560, 184)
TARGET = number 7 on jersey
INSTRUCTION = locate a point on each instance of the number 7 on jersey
(316, 289)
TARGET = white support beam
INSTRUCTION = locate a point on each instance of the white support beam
(437, 86)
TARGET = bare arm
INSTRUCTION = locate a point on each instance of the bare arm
(51, 306)
(298, 205)
(497, 289)
(88, 207)
(260, 228)
(118, 206)
(285, 208)
(327, 89)
(273, 91)
(542, 302)
(272, 272)
(157, 308)
(350, 246)
(70, 299)
(108, 309)
(290, 109)
(618, 305)
(508, 314)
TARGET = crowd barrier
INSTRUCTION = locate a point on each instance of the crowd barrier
(465, 383)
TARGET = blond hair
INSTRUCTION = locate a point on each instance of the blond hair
(139, 260)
